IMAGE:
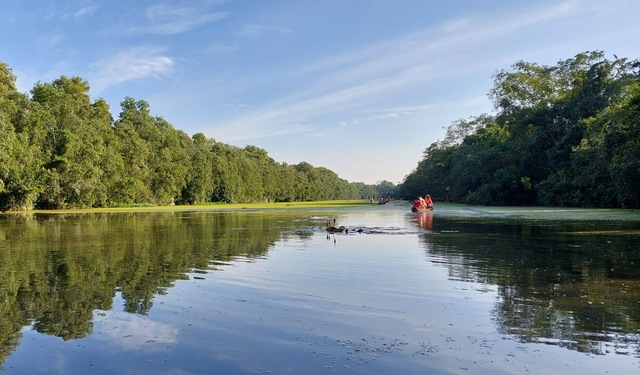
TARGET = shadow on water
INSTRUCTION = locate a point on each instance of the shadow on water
(565, 281)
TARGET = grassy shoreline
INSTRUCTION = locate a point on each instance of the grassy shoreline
(204, 207)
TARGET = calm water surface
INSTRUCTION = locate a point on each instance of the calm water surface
(462, 290)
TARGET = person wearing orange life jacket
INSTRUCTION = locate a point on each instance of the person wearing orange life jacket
(428, 201)
(419, 203)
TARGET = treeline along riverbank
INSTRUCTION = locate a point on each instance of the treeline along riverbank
(563, 135)
(58, 149)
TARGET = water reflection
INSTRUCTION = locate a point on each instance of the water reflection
(270, 285)
(425, 220)
(571, 284)
(55, 270)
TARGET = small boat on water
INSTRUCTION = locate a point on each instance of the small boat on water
(425, 209)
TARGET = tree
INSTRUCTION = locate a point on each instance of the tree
(308, 185)
(199, 180)
(74, 146)
(563, 135)
(134, 184)
(606, 164)
(21, 174)
(60, 150)
(386, 189)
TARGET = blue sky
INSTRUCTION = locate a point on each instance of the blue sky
(361, 87)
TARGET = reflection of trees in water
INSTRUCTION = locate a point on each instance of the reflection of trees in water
(572, 315)
(55, 270)
(559, 284)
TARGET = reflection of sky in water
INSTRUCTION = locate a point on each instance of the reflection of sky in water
(118, 341)
(131, 331)
(387, 301)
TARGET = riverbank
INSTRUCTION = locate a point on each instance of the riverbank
(205, 207)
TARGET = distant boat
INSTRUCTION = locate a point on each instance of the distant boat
(415, 209)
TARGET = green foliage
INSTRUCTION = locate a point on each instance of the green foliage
(21, 172)
(61, 150)
(386, 189)
(563, 135)
(607, 161)
(74, 144)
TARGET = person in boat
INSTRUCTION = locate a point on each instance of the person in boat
(419, 203)
(428, 202)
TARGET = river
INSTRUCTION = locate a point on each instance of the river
(461, 290)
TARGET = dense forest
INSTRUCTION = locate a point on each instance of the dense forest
(563, 135)
(60, 150)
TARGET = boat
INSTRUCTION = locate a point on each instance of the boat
(416, 209)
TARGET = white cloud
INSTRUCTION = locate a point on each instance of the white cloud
(370, 75)
(174, 19)
(70, 12)
(85, 12)
(235, 107)
(388, 113)
(257, 30)
(217, 48)
(51, 40)
(136, 63)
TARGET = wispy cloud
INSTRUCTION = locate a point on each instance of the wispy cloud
(257, 30)
(416, 52)
(51, 40)
(71, 12)
(85, 12)
(217, 48)
(366, 77)
(234, 106)
(167, 19)
(387, 113)
(136, 63)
